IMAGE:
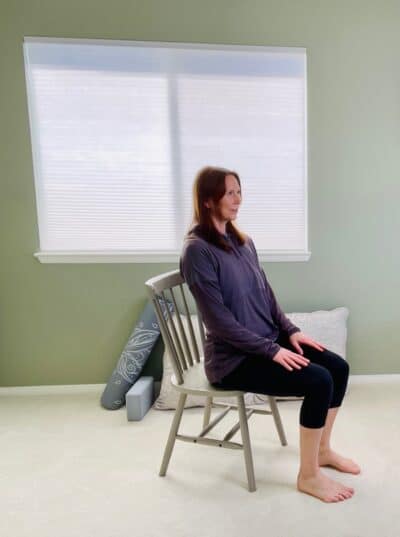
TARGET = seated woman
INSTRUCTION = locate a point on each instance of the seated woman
(250, 344)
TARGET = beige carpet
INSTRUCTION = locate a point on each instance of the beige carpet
(69, 468)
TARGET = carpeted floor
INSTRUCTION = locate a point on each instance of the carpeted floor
(68, 468)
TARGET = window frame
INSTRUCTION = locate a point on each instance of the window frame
(156, 256)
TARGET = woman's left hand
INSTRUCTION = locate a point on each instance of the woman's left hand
(298, 338)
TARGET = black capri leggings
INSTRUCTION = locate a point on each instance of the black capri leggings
(322, 383)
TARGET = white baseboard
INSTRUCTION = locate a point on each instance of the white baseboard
(52, 390)
(98, 388)
(371, 379)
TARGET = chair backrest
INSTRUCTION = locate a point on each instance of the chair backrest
(176, 328)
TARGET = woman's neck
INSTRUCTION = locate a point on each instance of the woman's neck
(220, 225)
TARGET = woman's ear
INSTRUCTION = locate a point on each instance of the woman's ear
(207, 204)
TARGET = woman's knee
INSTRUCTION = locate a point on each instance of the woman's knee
(318, 398)
(344, 367)
(340, 373)
(338, 367)
(321, 384)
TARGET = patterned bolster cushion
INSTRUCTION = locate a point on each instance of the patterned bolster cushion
(133, 357)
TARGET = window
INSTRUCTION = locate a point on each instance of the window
(119, 130)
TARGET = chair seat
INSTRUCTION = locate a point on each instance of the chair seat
(196, 383)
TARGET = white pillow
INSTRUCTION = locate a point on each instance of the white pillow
(327, 327)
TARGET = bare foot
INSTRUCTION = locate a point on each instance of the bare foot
(324, 488)
(334, 460)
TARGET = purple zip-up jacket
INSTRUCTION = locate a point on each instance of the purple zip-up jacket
(238, 306)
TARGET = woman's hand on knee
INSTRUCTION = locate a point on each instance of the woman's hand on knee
(290, 360)
(298, 338)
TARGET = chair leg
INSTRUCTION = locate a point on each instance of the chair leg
(277, 418)
(172, 434)
(248, 457)
(207, 412)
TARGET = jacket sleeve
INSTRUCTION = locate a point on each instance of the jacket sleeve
(283, 323)
(200, 270)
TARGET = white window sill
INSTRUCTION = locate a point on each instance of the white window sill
(151, 257)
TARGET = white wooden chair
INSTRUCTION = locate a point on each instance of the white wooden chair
(189, 376)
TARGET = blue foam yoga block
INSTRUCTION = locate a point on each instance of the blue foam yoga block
(139, 398)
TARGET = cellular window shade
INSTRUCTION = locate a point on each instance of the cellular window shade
(119, 130)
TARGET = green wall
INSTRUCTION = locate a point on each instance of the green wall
(66, 324)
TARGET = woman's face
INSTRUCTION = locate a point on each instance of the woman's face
(228, 206)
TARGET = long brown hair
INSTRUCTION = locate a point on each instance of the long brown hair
(210, 185)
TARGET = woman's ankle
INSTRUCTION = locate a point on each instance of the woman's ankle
(308, 473)
(324, 449)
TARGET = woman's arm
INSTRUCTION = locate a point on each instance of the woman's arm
(283, 323)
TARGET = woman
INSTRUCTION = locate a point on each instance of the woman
(250, 344)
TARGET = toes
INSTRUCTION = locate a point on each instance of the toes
(347, 492)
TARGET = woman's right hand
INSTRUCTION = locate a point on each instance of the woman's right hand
(290, 360)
